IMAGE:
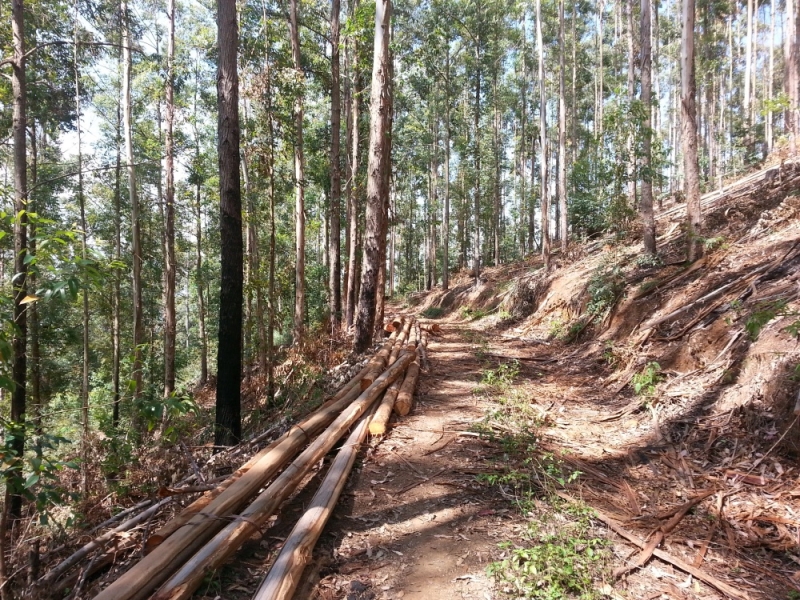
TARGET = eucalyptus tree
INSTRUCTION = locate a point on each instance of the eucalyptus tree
(646, 205)
(170, 266)
(689, 136)
(228, 427)
(334, 279)
(380, 101)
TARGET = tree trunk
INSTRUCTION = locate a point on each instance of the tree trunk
(138, 309)
(646, 205)
(85, 291)
(748, 69)
(116, 348)
(352, 193)
(271, 276)
(768, 132)
(600, 69)
(631, 162)
(380, 106)
(446, 215)
(228, 426)
(334, 287)
(170, 266)
(689, 126)
(476, 232)
(299, 182)
(13, 506)
(545, 203)
(562, 135)
(522, 137)
(791, 75)
(496, 216)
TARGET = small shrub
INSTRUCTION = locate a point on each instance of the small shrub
(502, 377)
(644, 383)
(472, 314)
(433, 312)
(605, 287)
(647, 261)
(563, 562)
(763, 314)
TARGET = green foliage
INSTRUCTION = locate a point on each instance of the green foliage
(563, 560)
(763, 313)
(605, 287)
(472, 314)
(648, 261)
(644, 382)
(433, 312)
(157, 410)
(501, 378)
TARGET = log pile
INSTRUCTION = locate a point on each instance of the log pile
(212, 528)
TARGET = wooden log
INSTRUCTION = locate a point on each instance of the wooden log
(423, 351)
(189, 577)
(99, 542)
(379, 363)
(156, 567)
(380, 420)
(282, 578)
(401, 339)
(405, 397)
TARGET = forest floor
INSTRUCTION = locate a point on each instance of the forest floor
(469, 479)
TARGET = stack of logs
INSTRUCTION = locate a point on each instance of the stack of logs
(210, 530)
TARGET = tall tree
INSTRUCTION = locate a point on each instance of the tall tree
(380, 103)
(562, 135)
(127, 118)
(84, 234)
(689, 134)
(228, 426)
(646, 204)
(334, 279)
(13, 505)
(791, 58)
(545, 200)
(170, 267)
(299, 182)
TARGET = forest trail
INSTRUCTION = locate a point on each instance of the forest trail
(413, 522)
(434, 501)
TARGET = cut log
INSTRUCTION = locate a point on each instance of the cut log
(380, 420)
(405, 398)
(379, 363)
(157, 566)
(99, 542)
(226, 542)
(282, 578)
(423, 351)
(401, 340)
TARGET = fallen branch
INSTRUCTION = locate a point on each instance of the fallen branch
(723, 587)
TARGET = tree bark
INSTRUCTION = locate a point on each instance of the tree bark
(334, 287)
(170, 266)
(299, 182)
(380, 103)
(689, 128)
(13, 507)
(768, 125)
(646, 205)
(116, 297)
(228, 427)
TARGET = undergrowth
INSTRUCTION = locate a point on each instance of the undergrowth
(562, 557)
(559, 555)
